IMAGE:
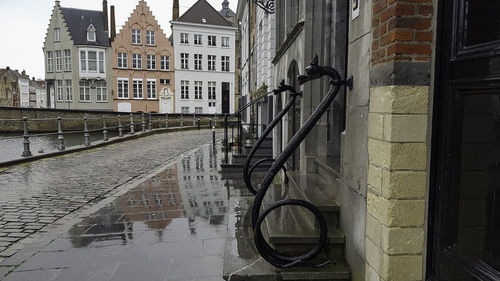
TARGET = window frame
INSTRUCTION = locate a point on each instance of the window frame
(151, 89)
(50, 61)
(59, 91)
(67, 59)
(223, 40)
(184, 38)
(59, 63)
(184, 60)
(212, 90)
(85, 93)
(150, 38)
(184, 90)
(212, 62)
(212, 40)
(165, 63)
(57, 34)
(100, 87)
(91, 30)
(225, 65)
(198, 40)
(122, 58)
(198, 61)
(136, 37)
(136, 61)
(198, 90)
(122, 82)
(136, 82)
(69, 90)
(151, 62)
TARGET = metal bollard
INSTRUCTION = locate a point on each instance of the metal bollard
(60, 136)
(150, 123)
(143, 123)
(199, 123)
(213, 132)
(86, 135)
(120, 129)
(104, 129)
(182, 120)
(210, 122)
(26, 142)
(132, 130)
(194, 119)
(166, 120)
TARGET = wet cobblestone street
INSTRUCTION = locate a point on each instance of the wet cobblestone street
(171, 226)
(36, 194)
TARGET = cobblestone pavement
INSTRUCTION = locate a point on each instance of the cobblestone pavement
(170, 226)
(36, 194)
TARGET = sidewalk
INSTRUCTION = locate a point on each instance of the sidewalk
(172, 226)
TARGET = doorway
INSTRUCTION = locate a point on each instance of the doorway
(225, 97)
(464, 215)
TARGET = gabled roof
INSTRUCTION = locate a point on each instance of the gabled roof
(79, 20)
(203, 10)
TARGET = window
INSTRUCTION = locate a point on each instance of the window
(59, 90)
(184, 61)
(185, 109)
(58, 61)
(122, 88)
(137, 89)
(212, 40)
(198, 110)
(211, 104)
(211, 62)
(198, 92)
(92, 60)
(67, 60)
(151, 89)
(150, 37)
(136, 61)
(91, 33)
(101, 62)
(57, 34)
(85, 91)
(225, 63)
(50, 61)
(102, 92)
(151, 62)
(165, 63)
(83, 60)
(225, 42)
(184, 38)
(184, 89)
(197, 61)
(165, 81)
(122, 60)
(197, 39)
(69, 90)
(136, 36)
(211, 90)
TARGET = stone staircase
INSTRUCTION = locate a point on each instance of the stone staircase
(237, 161)
(293, 230)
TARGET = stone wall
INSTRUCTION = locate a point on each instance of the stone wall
(94, 122)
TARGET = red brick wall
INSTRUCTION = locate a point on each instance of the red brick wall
(401, 30)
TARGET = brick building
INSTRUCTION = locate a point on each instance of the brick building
(409, 157)
(143, 64)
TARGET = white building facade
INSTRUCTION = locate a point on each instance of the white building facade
(204, 44)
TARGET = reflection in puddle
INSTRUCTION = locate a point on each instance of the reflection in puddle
(190, 193)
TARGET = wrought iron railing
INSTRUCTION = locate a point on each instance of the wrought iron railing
(230, 124)
(314, 71)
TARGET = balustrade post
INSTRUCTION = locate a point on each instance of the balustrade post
(86, 135)
(104, 129)
(199, 125)
(166, 120)
(213, 132)
(150, 123)
(26, 141)
(210, 122)
(226, 140)
(60, 136)
(194, 119)
(132, 129)
(120, 129)
(143, 123)
(182, 120)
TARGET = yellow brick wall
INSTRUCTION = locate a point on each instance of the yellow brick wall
(397, 182)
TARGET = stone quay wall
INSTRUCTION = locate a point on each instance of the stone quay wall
(41, 120)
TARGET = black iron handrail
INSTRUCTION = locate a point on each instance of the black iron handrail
(314, 71)
(247, 170)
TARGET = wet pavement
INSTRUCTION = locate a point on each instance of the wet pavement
(171, 226)
(41, 194)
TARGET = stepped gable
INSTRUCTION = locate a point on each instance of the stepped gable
(203, 13)
(79, 20)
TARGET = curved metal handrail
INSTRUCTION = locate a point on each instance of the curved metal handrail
(314, 71)
(250, 104)
(246, 172)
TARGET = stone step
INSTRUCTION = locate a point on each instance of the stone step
(331, 272)
(237, 169)
(315, 189)
(241, 158)
(261, 150)
(291, 233)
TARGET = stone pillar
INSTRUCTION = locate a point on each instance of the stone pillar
(398, 140)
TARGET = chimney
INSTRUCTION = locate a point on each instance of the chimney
(105, 13)
(58, 3)
(8, 67)
(23, 72)
(175, 11)
(113, 24)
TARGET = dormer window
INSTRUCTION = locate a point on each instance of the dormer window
(91, 33)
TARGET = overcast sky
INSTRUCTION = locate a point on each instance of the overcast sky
(25, 23)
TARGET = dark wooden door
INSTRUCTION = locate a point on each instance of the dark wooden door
(225, 97)
(464, 233)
